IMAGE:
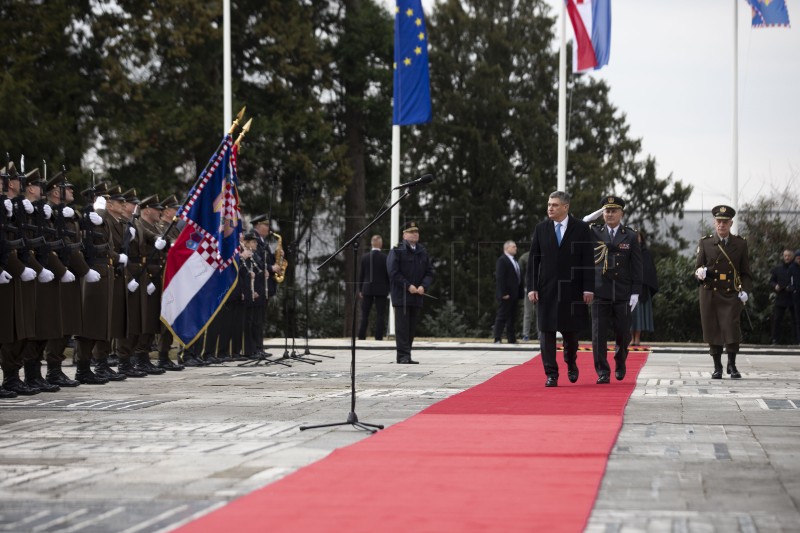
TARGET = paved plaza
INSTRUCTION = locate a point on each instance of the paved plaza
(147, 455)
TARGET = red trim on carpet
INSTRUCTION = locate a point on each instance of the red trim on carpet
(506, 455)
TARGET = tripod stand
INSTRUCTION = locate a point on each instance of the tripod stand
(352, 418)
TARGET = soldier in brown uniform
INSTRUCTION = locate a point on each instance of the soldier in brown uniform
(171, 206)
(60, 195)
(47, 300)
(723, 270)
(26, 272)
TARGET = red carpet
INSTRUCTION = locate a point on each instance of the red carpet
(506, 455)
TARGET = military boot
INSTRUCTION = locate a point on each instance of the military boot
(165, 362)
(33, 378)
(85, 375)
(142, 362)
(103, 370)
(126, 368)
(732, 367)
(7, 393)
(12, 382)
(717, 366)
(56, 376)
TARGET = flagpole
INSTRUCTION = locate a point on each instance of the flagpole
(735, 176)
(395, 214)
(226, 65)
(562, 102)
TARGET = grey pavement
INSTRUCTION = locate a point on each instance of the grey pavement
(147, 455)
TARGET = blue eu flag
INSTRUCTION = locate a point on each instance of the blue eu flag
(412, 91)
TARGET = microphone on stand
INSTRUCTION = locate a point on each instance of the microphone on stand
(427, 178)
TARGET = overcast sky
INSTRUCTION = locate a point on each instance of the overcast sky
(671, 73)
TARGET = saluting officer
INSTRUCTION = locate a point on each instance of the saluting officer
(618, 282)
(723, 270)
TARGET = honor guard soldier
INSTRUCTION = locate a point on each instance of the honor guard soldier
(171, 206)
(60, 194)
(618, 281)
(723, 270)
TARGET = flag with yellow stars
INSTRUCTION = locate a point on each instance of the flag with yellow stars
(412, 91)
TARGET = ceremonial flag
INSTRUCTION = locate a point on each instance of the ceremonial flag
(412, 86)
(201, 265)
(769, 13)
(591, 24)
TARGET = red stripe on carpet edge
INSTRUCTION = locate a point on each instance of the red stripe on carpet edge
(506, 455)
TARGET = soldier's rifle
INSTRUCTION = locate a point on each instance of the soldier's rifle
(46, 234)
(67, 236)
(87, 227)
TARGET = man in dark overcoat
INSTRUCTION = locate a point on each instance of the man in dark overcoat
(617, 284)
(410, 274)
(509, 290)
(373, 288)
(723, 270)
(780, 282)
(561, 283)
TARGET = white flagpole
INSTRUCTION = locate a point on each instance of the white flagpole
(395, 214)
(562, 103)
(226, 66)
(735, 176)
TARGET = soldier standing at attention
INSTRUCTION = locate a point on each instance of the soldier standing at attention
(723, 270)
(618, 282)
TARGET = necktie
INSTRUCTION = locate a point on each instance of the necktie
(612, 232)
(516, 267)
(558, 233)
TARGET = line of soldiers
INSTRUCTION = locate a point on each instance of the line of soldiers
(94, 274)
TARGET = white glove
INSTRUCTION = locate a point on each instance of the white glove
(5, 277)
(132, 231)
(151, 288)
(592, 216)
(743, 297)
(46, 276)
(93, 276)
(133, 285)
(68, 277)
(700, 273)
(28, 206)
(68, 212)
(28, 274)
(123, 259)
(634, 301)
(96, 219)
(99, 202)
(160, 243)
(9, 207)
(48, 211)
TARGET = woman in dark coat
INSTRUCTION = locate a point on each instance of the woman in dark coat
(642, 317)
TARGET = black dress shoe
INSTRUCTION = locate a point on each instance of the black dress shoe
(551, 382)
(14, 384)
(572, 372)
(192, 361)
(717, 374)
(87, 377)
(407, 361)
(56, 376)
(126, 368)
(619, 373)
(604, 379)
(734, 372)
(38, 382)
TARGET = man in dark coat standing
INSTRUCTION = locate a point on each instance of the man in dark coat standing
(780, 282)
(561, 283)
(410, 274)
(617, 284)
(373, 288)
(723, 270)
(509, 291)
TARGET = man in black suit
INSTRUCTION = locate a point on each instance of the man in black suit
(508, 280)
(561, 282)
(373, 288)
(617, 284)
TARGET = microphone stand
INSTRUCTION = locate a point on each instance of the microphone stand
(352, 418)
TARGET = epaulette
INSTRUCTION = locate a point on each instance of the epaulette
(597, 225)
(629, 228)
(707, 237)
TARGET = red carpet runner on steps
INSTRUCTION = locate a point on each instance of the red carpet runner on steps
(507, 455)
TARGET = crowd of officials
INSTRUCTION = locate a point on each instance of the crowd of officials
(93, 277)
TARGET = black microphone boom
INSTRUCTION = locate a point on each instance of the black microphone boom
(427, 178)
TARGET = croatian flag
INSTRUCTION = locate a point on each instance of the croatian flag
(769, 13)
(201, 266)
(591, 23)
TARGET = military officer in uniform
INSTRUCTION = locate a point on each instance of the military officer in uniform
(171, 206)
(723, 270)
(618, 281)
